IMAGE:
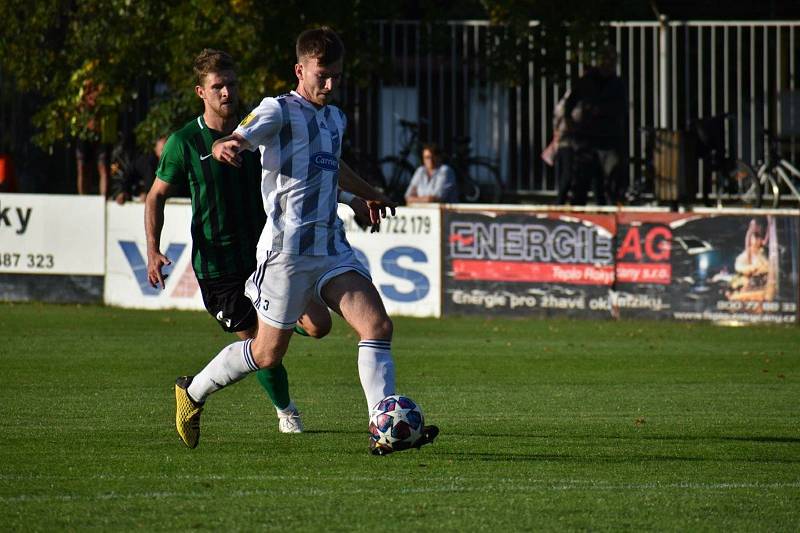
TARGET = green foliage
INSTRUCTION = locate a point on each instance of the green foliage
(513, 42)
(32, 43)
(165, 114)
(547, 425)
(123, 44)
(53, 48)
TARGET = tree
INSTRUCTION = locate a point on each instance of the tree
(513, 42)
(54, 49)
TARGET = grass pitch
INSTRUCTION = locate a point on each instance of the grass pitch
(546, 425)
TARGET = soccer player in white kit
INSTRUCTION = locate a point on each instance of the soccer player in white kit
(302, 252)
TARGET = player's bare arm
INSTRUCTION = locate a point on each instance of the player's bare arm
(153, 224)
(376, 201)
(226, 149)
(412, 199)
(362, 211)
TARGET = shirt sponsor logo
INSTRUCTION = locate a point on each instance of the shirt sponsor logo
(325, 161)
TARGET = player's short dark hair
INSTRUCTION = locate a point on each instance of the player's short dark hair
(210, 60)
(322, 44)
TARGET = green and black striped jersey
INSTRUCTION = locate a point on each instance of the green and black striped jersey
(227, 213)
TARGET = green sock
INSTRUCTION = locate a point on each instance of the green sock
(300, 331)
(276, 382)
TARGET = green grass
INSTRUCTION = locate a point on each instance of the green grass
(546, 425)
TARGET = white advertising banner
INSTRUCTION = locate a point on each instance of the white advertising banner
(126, 282)
(404, 259)
(52, 234)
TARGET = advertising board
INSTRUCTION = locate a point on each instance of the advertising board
(126, 272)
(403, 259)
(707, 266)
(52, 234)
(519, 263)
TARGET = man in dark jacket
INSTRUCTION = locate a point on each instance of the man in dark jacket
(592, 142)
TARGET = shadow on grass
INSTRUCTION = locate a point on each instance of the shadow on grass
(335, 431)
(781, 440)
(591, 437)
(581, 458)
(735, 438)
(622, 456)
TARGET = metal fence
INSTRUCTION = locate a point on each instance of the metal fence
(676, 73)
(440, 76)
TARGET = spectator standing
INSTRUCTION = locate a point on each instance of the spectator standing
(132, 176)
(591, 137)
(93, 145)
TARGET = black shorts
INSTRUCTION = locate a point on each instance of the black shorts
(87, 151)
(225, 300)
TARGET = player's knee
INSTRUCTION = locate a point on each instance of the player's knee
(380, 328)
(267, 359)
(318, 331)
(268, 353)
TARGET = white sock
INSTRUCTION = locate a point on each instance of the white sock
(230, 365)
(290, 410)
(376, 370)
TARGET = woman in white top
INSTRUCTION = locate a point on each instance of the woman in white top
(432, 181)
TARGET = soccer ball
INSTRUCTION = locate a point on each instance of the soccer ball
(396, 423)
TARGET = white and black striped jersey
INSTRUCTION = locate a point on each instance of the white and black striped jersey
(300, 148)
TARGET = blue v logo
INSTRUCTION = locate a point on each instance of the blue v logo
(139, 264)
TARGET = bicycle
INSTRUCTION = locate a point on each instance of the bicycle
(642, 184)
(775, 170)
(396, 181)
(733, 178)
(478, 177)
(365, 165)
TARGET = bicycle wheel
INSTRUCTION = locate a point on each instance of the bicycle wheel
(769, 180)
(485, 176)
(468, 190)
(368, 168)
(398, 177)
(746, 183)
(776, 195)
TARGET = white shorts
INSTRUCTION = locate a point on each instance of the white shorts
(283, 284)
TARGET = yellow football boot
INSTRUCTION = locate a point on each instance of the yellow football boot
(187, 413)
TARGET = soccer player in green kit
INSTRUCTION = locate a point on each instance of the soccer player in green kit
(227, 219)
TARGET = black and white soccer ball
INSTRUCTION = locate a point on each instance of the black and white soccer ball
(396, 422)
